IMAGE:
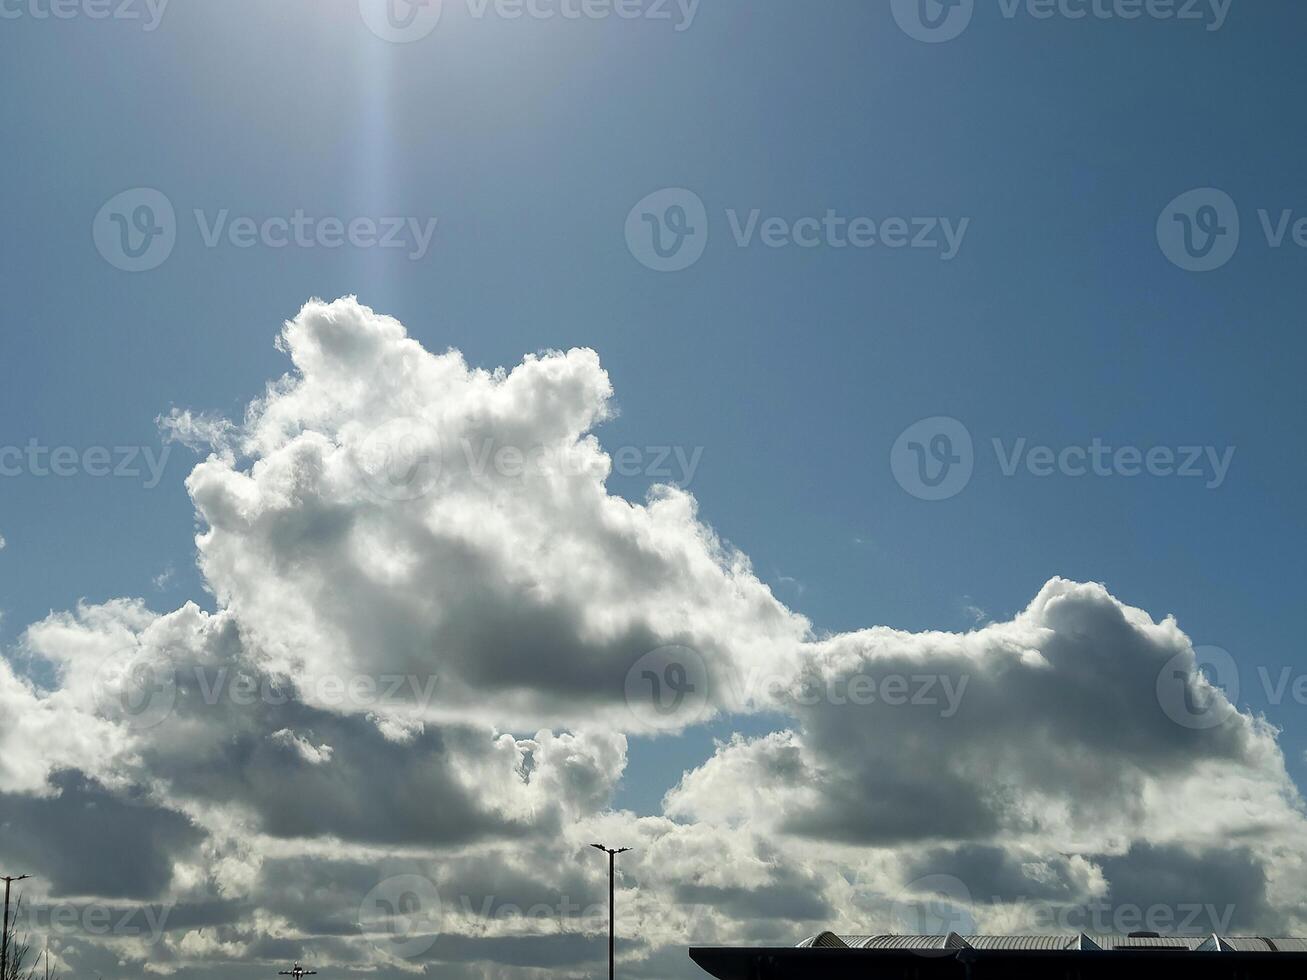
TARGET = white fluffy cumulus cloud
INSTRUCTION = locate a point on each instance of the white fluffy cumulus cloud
(389, 746)
(1023, 763)
(393, 512)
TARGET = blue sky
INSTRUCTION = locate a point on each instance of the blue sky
(1059, 320)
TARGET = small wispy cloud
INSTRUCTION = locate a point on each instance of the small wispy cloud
(974, 612)
(199, 431)
(314, 755)
(791, 583)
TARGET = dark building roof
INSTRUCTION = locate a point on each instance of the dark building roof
(1080, 941)
(1082, 956)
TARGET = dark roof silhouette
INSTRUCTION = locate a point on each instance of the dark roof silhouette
(1081, 941)
(1087, 956)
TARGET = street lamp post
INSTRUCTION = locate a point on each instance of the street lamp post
(612, 854)
(4, 940)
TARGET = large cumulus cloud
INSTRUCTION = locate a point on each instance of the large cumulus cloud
(415, 694)
(1049, 726)
(386, 509)
(1058, 768)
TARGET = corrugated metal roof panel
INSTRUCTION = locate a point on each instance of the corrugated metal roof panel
(828, 940)
(1019, 942)
(1247, 944)
(1147, 942)
(903, 942)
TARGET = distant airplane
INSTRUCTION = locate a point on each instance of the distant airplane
(298, 971)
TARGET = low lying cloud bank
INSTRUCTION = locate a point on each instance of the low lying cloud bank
(436, 629)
